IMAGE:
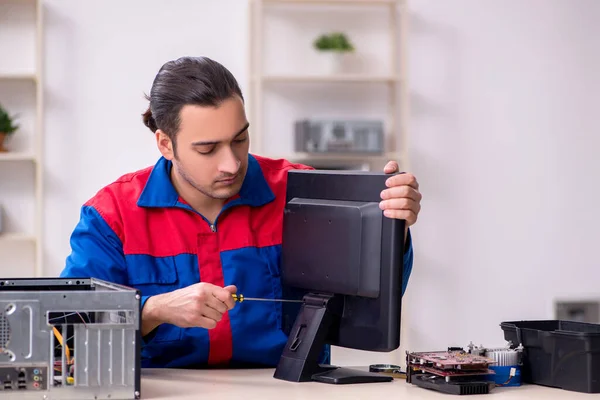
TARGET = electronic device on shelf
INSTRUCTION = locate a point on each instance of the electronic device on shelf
(339, 136)
(346, 259)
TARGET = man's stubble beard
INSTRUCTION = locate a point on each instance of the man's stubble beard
(205, 191)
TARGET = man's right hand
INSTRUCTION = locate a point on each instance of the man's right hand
(199, 305)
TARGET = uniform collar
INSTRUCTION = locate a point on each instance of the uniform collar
(160, 192)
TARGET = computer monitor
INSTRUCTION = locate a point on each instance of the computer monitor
(347, 259)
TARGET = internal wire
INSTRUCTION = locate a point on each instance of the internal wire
(71, 337)
(506, 382)
(57, 365)
(65, 315)
(82, 320)
(59, 336)
(62, 343)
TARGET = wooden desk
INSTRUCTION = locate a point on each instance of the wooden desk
(171, 384)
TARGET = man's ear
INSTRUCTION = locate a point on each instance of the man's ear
(165, 145)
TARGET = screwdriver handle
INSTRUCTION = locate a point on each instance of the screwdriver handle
(238, 298)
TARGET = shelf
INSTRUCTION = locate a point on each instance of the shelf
(17, 157)
(334, 2)
(22, 93)
(316, 87)
(331, 78)
(19, 2)
(6, 76)
(365, 157)
(16, 237)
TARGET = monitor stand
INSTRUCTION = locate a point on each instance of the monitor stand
(299, 361)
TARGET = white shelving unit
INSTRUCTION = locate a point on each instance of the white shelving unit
(322, 93)
(21, 169)
(18, 157)
(390, 82)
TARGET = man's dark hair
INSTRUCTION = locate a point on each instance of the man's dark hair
(187, 81)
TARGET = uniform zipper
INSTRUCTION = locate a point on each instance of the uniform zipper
(213, 226)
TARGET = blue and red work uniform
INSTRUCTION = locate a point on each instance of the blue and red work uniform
(139, 232)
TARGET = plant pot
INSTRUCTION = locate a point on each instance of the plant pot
(332, 62)
(3, 137)
(335, 62)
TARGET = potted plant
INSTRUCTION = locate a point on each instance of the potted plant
(335, 46)
(7, 127)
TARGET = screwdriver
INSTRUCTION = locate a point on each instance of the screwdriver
(238, 298)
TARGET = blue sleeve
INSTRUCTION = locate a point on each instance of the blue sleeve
(96, 250)
(408, 261)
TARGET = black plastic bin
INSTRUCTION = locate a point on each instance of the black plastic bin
(559, 354)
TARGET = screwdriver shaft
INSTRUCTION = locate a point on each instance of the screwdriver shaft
(240, 298)
(279, 300)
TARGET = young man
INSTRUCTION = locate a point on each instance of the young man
(204, 222)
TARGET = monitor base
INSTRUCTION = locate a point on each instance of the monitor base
(300, 359)
(343, 376)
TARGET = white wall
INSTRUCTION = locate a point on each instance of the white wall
(503, 138)
(504, 141)
(101, 58)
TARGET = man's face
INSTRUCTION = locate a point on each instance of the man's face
(211, 152)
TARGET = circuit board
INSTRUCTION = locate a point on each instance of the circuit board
(444, 373)
(458, 371)
(454, 360)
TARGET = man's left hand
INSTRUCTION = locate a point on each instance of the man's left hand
(401, 199)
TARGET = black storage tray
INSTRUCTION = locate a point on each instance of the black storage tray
(561, 354)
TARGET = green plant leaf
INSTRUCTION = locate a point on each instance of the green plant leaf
(335, 41)
(7, 123)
